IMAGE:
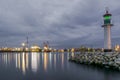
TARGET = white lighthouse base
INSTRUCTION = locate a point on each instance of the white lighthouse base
(107, 37)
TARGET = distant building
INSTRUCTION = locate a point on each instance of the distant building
(35, 48)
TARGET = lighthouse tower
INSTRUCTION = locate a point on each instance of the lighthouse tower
(107, 30)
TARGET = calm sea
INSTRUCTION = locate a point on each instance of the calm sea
(49, 66)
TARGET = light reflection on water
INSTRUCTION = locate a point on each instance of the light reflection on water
(33, 61)
(45, 61)
(47, 65)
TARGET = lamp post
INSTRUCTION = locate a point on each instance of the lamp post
(23, 46)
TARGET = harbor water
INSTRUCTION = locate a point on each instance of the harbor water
(49, 66)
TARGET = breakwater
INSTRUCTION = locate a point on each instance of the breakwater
(109, 60)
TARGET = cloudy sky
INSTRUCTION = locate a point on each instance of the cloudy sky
(64, 23)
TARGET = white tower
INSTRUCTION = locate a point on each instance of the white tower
(107, 30)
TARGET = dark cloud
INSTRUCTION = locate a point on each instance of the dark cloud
(64, 23)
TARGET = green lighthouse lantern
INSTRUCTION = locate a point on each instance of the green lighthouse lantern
(107, 18)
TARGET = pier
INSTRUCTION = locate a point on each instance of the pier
(109, 60)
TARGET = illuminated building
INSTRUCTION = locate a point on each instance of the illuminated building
(35, 48)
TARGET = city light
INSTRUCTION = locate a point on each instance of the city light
(23, 44)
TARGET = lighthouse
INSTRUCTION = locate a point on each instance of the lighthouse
(107, 30)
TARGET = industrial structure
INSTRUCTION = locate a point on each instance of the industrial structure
(107, 30)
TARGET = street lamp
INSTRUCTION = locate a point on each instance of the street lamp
(23, 45)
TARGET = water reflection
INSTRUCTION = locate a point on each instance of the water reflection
(6, 59)
(50, 59)
(35, 61)
(18, 61)
(45, 61)
(22, 61)
(72, 54)
(54, 61)
(62, 58)
(50, 64)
